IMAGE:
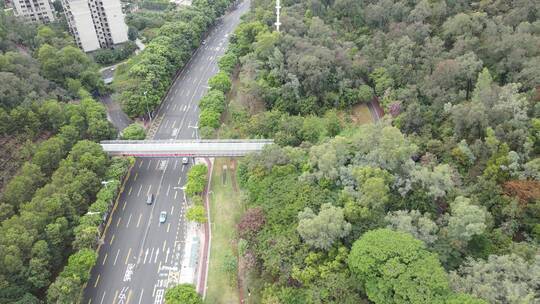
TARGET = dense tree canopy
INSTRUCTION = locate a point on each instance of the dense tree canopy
(394, 267)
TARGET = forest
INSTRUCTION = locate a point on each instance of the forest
(57, 184)
(438, 202)
(52, 165)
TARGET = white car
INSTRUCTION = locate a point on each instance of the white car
(163, 217)
(185, 161)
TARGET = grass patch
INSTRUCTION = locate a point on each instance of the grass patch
(225, 211)
(360, 114)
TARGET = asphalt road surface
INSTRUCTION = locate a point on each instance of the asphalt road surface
(115, 114)
(140, 257)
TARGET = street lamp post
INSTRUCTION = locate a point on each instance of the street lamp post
(196, 130)
(147, 107)
(183, 190)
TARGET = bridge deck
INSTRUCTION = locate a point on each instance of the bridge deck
(195, 148)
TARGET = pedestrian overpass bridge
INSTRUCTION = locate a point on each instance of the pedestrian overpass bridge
(180, 148)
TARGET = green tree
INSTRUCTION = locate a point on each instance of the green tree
(394, 267)
(196, 179)
(134, 131)
(220, 82)
(323, 229)
(500, 279)
(182, 294)
(38, 272)
(228, 62)
(466, 220)
(196, 213)
(22, 187)
(49, 154)
(418, 225)
(382, 80)
(213, 100)
(209, 118)
(365, 93)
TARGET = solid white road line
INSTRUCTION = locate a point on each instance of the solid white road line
(172, 209)
(148, 167)
(139, 192)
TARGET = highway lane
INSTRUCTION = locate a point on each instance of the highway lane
(139, 256)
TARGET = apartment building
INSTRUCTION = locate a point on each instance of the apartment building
(96, 24)
(33, 10)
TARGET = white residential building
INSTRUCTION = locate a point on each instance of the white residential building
(96, 24)
(33, 10)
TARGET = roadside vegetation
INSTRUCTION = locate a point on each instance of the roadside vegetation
(69, 284)
(182, 294)
(225, 209)
(197, 178)
(443, 189)
(134, 131)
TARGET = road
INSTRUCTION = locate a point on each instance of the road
(139, 256)
(115, 114)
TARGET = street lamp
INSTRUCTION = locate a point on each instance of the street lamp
(147, 108)
(196, 130)
(183, 191)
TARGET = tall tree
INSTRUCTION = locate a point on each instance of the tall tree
(394, 267)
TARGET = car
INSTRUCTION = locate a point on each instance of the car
(204, 42)
(163, 217)
(150, 199)
(185, 161)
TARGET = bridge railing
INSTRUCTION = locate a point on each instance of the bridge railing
(174, 141)
(178, 148)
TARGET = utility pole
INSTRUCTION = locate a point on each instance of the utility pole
(278, 9)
